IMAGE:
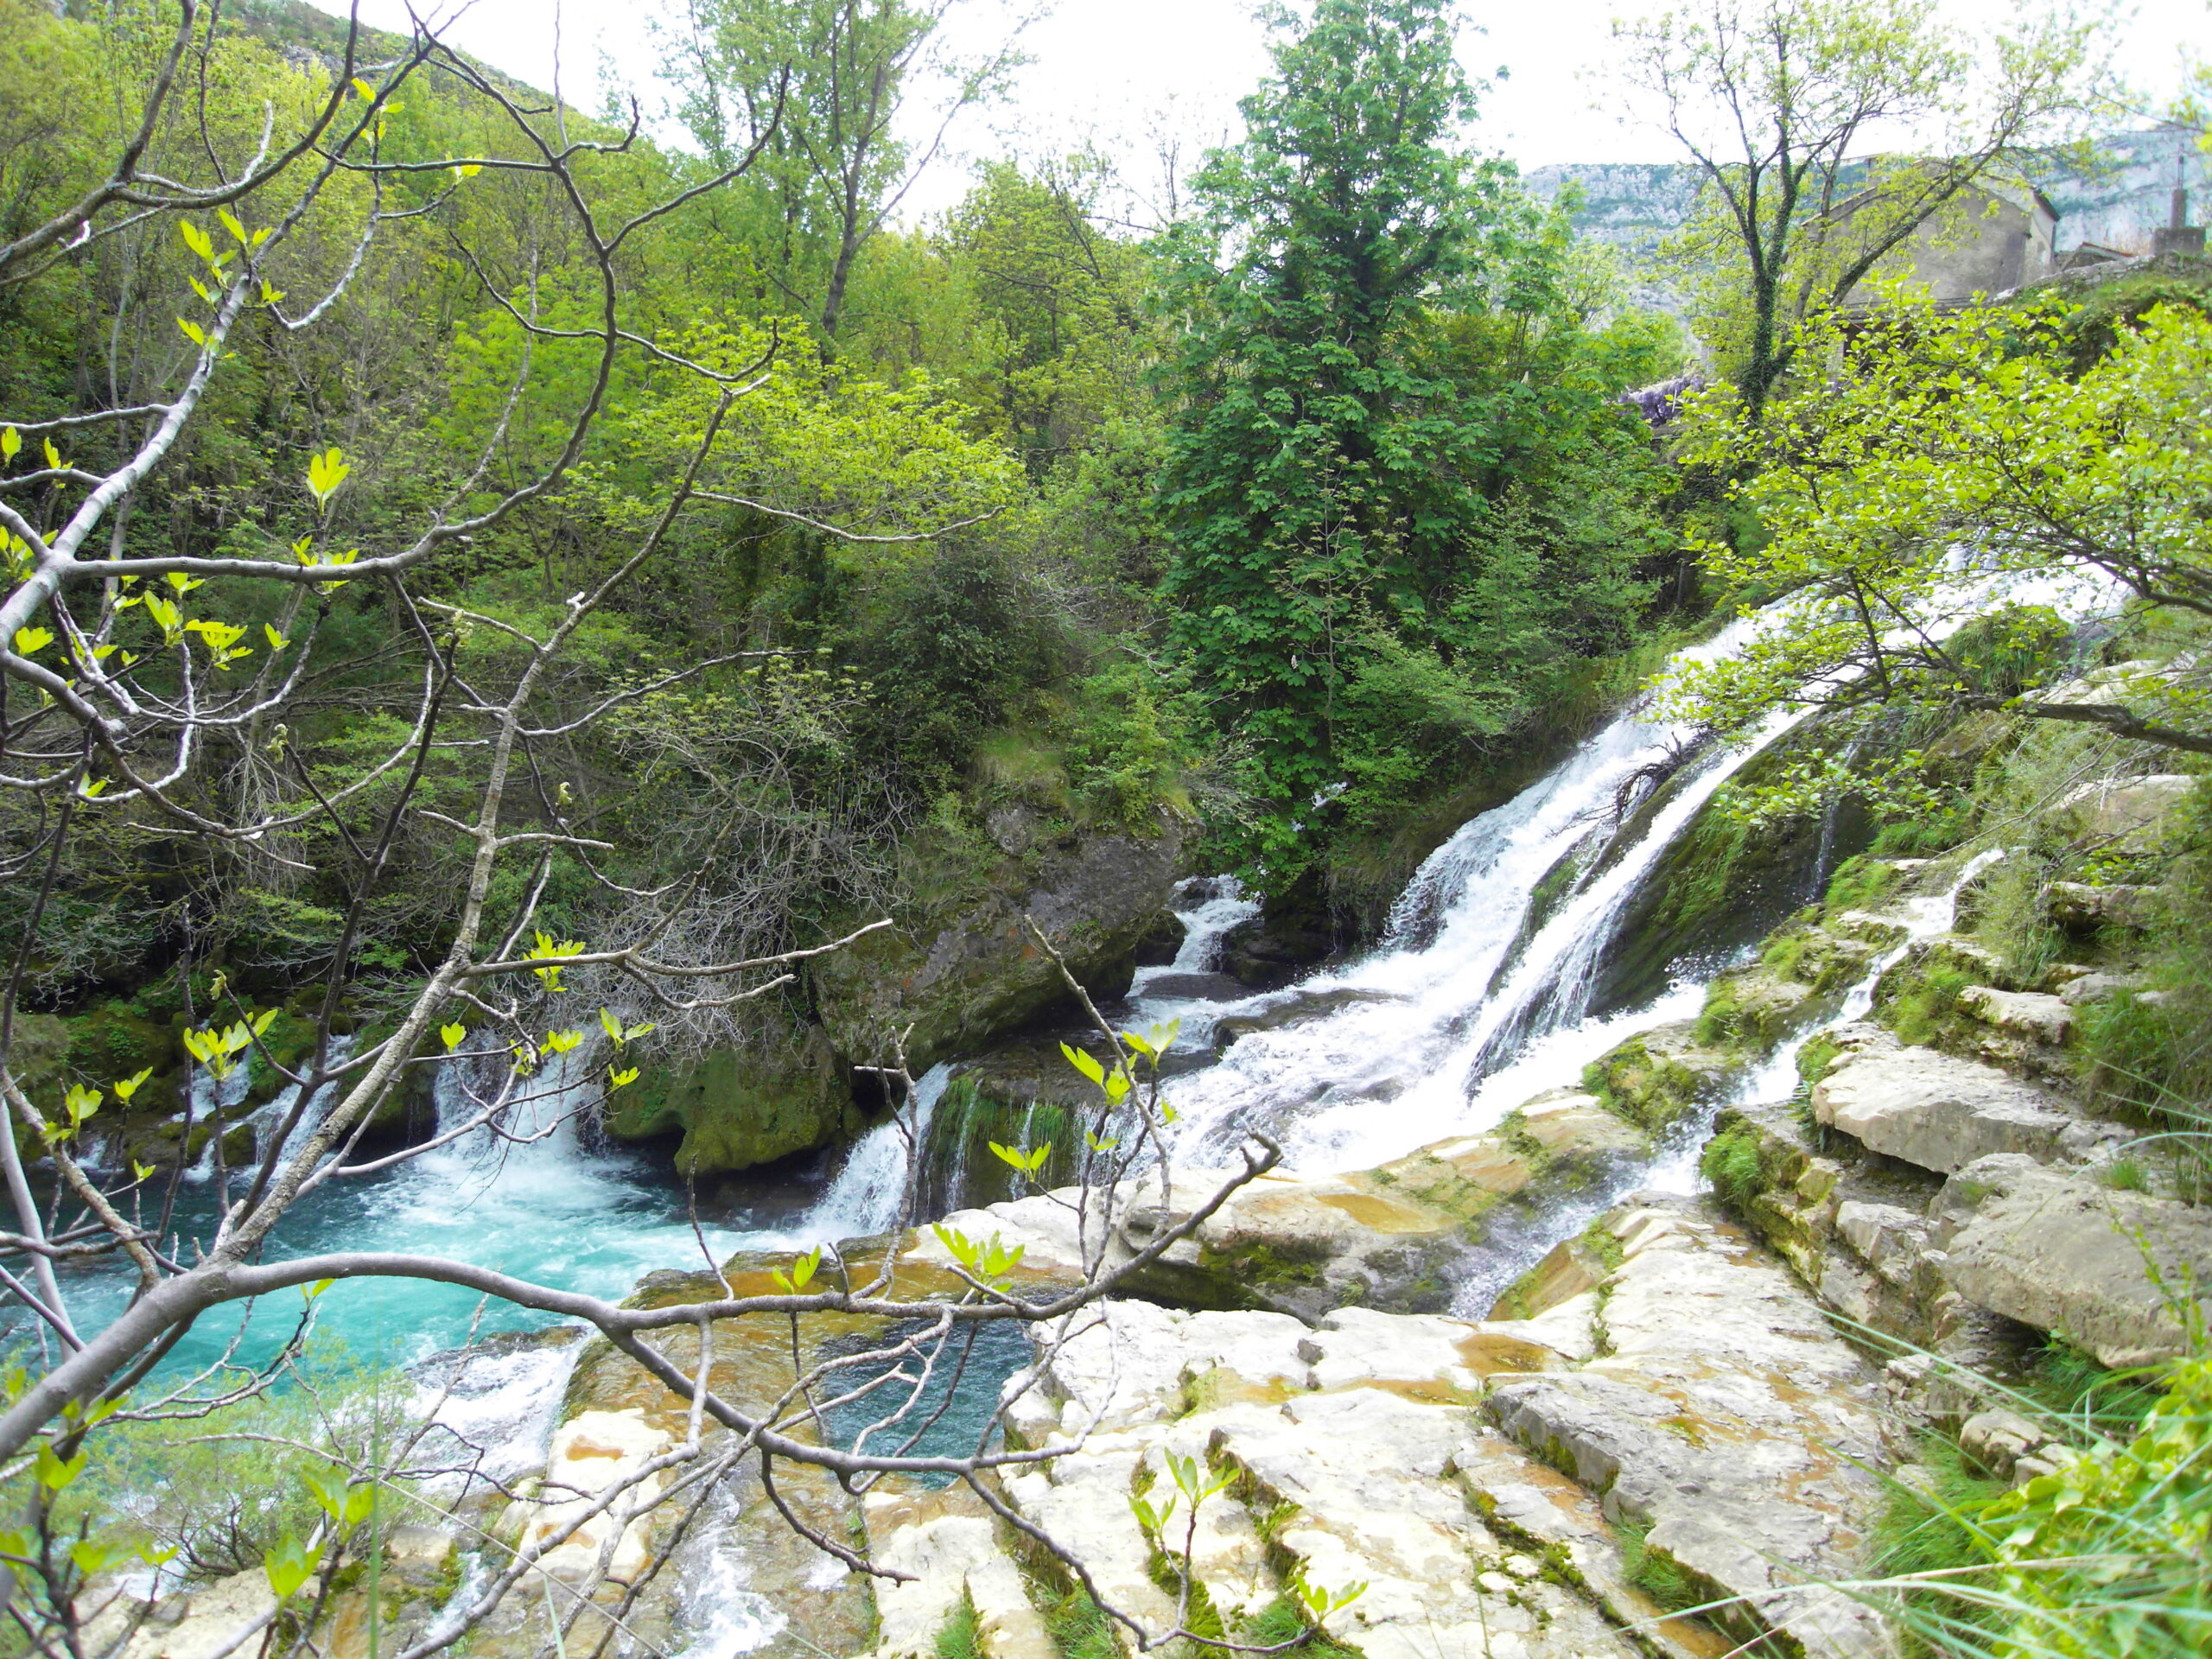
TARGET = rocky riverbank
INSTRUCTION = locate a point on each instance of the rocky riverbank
(1689, 1418)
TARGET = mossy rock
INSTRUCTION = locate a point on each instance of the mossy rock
(38, 1056)
(739, 1108)
(1659, 1077)
(110, 1042)
(1861, 881)
(289, 1039)
(959, 975)
(1753, 1009)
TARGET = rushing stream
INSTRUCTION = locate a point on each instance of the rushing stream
(1479, 997)
(1483, 992)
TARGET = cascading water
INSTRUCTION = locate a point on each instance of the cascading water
(870, 1189)
(1468, 985)
(265, 1119)
(1676, 1170)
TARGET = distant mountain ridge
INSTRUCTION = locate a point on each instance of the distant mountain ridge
(2117, 203)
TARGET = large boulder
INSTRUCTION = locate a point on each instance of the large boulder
(1708, 1413)
(954, 978)
(735, 1107)
(2114, 1272)
(1728, 1418)
(1935, 1110)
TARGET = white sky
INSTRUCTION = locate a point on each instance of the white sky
(1132, 69)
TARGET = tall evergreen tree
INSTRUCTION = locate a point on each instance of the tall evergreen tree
(1365, 389)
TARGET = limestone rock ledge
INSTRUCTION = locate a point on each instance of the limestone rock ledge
(1490, 1482)
(1392, 1237)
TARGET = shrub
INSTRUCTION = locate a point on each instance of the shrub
(1731, 1162)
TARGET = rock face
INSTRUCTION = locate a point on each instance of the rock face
(1727, 1416)
(1932, 1108)
(1293, 932)
(1389, 1237)
(738, 1108)
(2057, 1251)
(1475, 1477)
(963, 977)
(949, 1542)
(2129, 812)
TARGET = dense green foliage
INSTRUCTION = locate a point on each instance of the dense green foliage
(1338, 516)
(1400, 498)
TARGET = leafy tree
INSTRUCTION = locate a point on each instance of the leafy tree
(1954, 468)
(1775, 101)
(1377, 388)
(280, 628)
(1055, 318)
(825, 89)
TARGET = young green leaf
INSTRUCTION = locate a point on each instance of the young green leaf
(325, 472)
(289, 1566)
(1083, 1062)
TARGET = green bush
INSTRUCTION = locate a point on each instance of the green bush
(222, 1490)
(1917, 1015)
(1860, 882)
(1731, 1162)
(1079, 1629)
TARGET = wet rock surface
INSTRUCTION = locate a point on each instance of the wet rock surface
(1931, 1108)
(1724, 1415)
(1392, 1237)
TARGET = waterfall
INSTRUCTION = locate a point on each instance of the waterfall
(870, 1190)
(1467, 985)
(212, 1098)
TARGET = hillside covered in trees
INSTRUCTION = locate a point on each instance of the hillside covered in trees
(605, 729)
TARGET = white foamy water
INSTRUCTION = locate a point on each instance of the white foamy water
(1471, 1003)
(869, 1190)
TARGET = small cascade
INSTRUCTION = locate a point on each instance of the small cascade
(1515, 1250)
(1777, 1078)
(1208, 907)
(268, 1119)
(1466, 984)
(1191, 988)
(212, 1097)
(869, 1191)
